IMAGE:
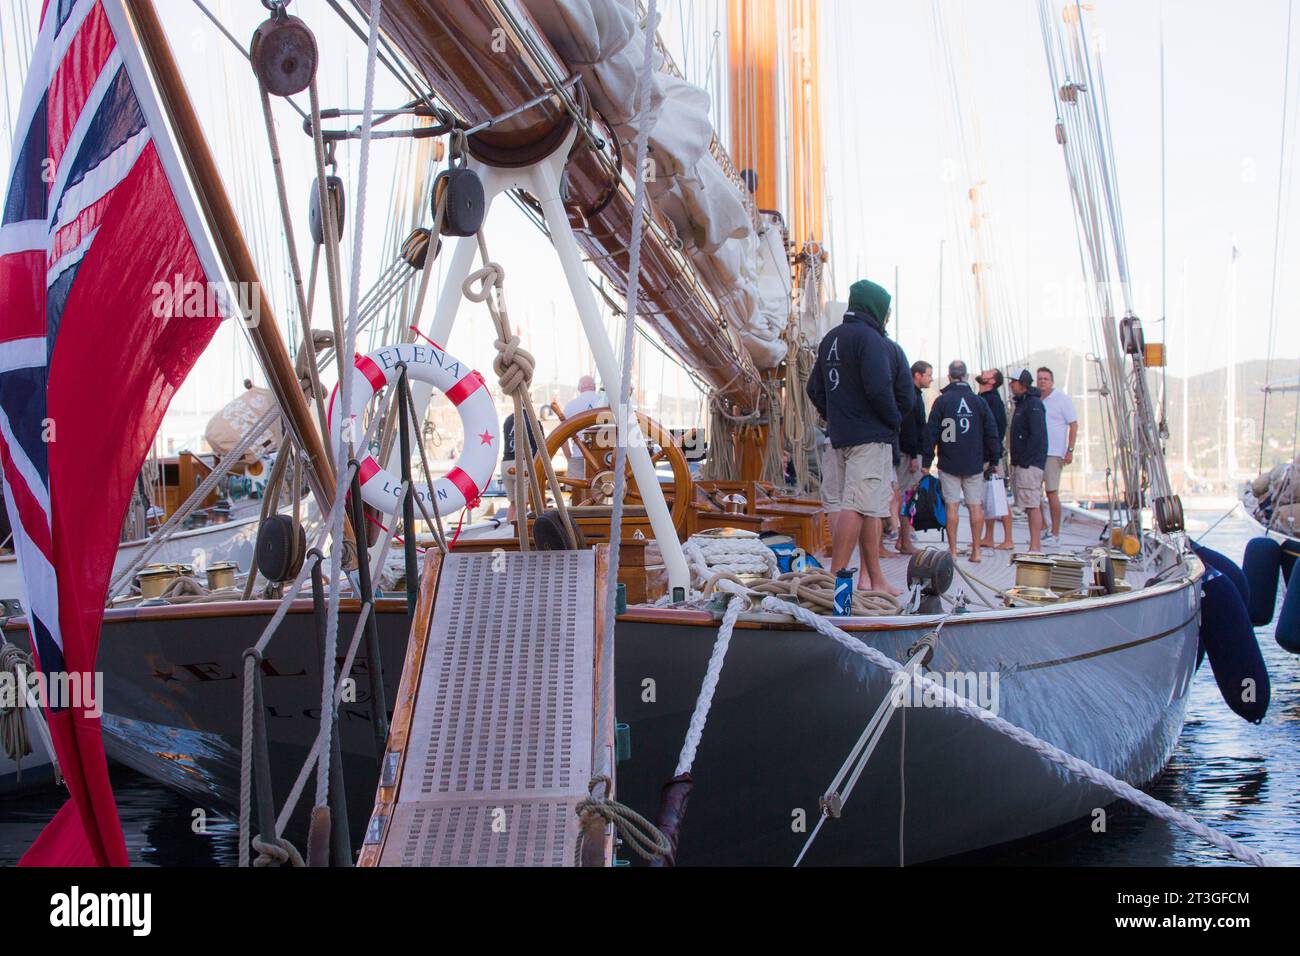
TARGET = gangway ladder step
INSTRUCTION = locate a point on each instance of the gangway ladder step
(493, 734)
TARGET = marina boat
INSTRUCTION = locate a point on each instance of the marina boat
(738, 684)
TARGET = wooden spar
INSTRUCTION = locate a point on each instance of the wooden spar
(231, 247)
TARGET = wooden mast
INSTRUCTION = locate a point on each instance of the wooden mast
(776, 132)
(231, 248)
(754, 97)
(805, 185)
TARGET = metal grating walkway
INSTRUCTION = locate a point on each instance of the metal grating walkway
(499, 745)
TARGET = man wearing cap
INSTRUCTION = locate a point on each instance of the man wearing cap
(1028, 452)
(861, 385)
(962, 428)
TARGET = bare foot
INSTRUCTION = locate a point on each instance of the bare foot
(974, 559)
(908, 550)
(986, 543)
(887, 589)
(1005, 546)
(886, 553)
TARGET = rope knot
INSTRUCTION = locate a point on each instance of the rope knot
(479, 284)
(276, 853)
(514, 366)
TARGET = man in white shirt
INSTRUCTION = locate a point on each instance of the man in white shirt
(1062, 430)
(586, 399)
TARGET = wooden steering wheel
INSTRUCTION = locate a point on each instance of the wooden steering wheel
(595, 435)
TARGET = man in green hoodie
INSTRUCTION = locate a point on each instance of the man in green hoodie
(862, 385)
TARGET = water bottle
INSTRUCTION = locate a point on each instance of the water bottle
(844, 592)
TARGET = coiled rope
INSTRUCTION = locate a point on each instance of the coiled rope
(645, 839)
(14, 739)
(816, 590)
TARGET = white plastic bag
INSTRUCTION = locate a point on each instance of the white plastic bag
(995, 498)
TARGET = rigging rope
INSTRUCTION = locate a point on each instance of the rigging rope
(624, 419)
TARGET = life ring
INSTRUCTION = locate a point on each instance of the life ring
(464, 388)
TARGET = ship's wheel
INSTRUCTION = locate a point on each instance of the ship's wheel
(595, 435)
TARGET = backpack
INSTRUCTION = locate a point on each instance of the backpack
(926, 510)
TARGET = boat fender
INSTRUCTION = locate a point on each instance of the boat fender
(464, 388)
(1290, 551)
(1287, 632)
(673, 801)
(1230, 644)
(1261, 566)
(280, 551)
(316, 221)
(462, 191)
(1225, 565)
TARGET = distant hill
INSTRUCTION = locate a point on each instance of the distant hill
(1207, 408)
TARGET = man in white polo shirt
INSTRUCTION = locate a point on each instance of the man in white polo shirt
(586, 399)
(1062, 430)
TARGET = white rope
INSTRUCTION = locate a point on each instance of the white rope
(708, 555)
(344, 448)
(1056, 755)
(695, 732)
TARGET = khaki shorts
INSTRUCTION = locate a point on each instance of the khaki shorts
(508, 480)
(1027, 485)
(1052, 474)
(832, 478)
(866, 484)
(959, 487)
(904, 476)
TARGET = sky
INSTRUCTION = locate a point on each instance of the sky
(895, 188)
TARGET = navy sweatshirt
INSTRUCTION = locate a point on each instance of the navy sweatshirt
(960, 424)
(1029, 431)
(911, 435)
(998, 407)
(861, 383)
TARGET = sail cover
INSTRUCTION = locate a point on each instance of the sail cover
(108, 293)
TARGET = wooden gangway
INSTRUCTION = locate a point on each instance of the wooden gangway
(493, 734)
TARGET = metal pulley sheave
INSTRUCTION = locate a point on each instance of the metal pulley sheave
(462, 192)
(315, 219)
(283, 52)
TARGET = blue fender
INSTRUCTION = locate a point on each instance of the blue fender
(1230, 644)
(1287, 631)
(1261, 566)
(1225, 565)
(1290, 551)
